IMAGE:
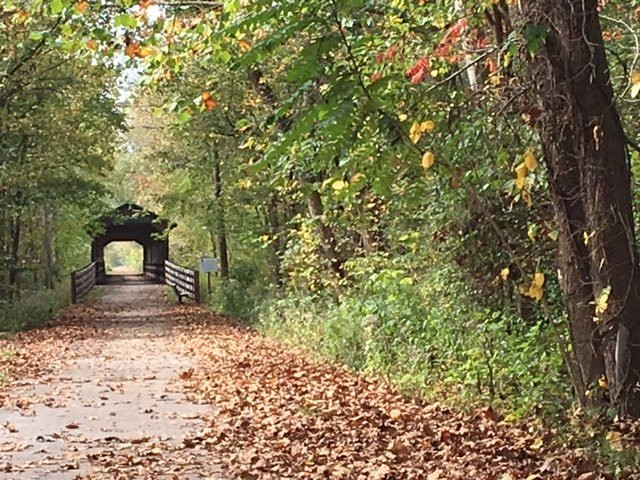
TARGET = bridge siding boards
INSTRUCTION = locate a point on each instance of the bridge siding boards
(130, 222)
(82, 281)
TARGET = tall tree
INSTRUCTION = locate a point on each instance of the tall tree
(589, 178)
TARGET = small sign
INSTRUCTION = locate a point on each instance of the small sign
(208, 265)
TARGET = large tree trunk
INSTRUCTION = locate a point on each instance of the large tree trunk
(589, 179)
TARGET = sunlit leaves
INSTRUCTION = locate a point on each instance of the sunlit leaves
(635, 84)
(428, 159)
(417, 129)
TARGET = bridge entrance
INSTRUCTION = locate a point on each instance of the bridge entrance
(131, 223)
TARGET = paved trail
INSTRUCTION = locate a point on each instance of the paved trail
(116, 409)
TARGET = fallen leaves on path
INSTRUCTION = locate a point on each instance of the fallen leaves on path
(279, 413)
(276, 411)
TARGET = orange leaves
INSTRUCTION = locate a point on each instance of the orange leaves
(208, 101)
(418, 71)
(81, 6)
(134, 50)
(444, 49)
(244, 45)
(146, 3)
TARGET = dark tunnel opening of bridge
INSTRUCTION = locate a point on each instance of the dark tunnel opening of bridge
(132, 223)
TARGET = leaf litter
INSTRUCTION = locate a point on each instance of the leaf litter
(273, 412)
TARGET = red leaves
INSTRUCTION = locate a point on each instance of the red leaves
(208, 101)
(418, 71)
(387, 55)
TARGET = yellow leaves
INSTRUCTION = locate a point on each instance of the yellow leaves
(537, 444)
(586, 237)
(339, 185)
(602, 303)
(357, 178)
(602, 383)
(529, 164)
(521, 175)
(530, 161)
(597, 135)
(504, 274)
(417, 129)
(635, 84)
(395, 414)
(615, 440)
(145, 52)
(245, 183)
(535, 290)
(428, 159)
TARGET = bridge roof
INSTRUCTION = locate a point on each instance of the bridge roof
(130, 215)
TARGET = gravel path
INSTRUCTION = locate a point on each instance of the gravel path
(116, 409)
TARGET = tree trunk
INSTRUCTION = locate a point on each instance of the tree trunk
(48, 249)
(589, 179)
(222, 227)
(16, 229)
(316, 210)
(273, 219)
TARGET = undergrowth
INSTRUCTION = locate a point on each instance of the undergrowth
(33, 309)
(422, 331)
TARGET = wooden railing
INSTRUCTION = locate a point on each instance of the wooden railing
(155, 272)
(82, 281)
(185, 281)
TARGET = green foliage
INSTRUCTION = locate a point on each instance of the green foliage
(428, 335)
(33, 309)
(123, 254)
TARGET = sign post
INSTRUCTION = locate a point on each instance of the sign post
(208, 265)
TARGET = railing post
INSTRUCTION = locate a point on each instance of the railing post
(196, 281)
(74, 297)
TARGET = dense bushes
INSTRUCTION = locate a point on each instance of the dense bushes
(33, 309)
(422, 330)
